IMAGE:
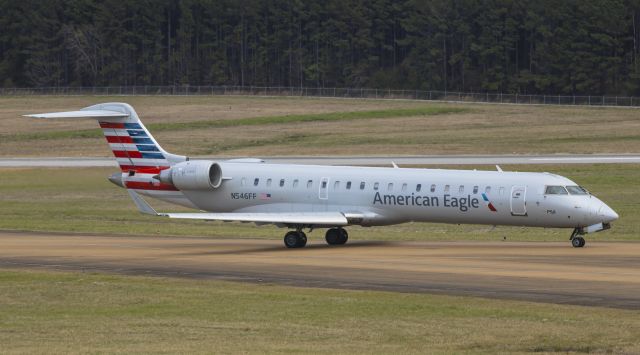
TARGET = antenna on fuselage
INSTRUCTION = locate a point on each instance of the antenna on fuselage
(499, 168)
(395, 166)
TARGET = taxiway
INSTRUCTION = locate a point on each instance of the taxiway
(601, 274)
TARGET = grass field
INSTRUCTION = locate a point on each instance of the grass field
(56, 312)
(51, 312)
(263, 126)
(82, 200)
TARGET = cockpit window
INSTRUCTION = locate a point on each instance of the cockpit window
(555, 190)
(577, 190)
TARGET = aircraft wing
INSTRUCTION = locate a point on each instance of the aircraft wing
(282, 218)
(297, 218)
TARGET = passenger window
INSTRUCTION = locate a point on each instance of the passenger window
(281, 182)
(433, 188)
(256, 181)
(362, 185)
(390, 186)
(418, 187)
(501, 191)
(376, 185)
(243, 181)
(324, 184)
(555, 190)
(295, 183)
(487, 190)
(446, 188)
(475, 190)
(404, 187)
(461, 189)
(309, 184)
(336, 185)
(268, 182)
(348, 185)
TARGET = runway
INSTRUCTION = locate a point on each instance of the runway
(357, 160)
(601, 274)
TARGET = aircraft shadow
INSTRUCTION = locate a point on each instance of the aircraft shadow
(279, 248)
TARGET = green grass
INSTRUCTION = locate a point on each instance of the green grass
(249, 121)
(83, 201)
(51, 312)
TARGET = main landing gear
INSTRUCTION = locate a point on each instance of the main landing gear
(336, 236)
(297, 238)
(577, 241)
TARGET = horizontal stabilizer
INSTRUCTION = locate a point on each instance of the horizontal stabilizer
(81, 114)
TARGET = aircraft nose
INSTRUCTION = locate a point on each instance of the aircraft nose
(607, 213)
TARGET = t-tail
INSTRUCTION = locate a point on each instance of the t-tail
(138, 154)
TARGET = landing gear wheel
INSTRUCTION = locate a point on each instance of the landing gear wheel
(344, 236)
(336, 236)
(295, 239)
(578, 242)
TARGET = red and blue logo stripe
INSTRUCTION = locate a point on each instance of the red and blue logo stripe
(489, 204)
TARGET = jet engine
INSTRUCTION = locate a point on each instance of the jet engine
(193, 175)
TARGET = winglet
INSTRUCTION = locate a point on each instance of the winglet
(499, 168)
(395, 166)
(142, 205)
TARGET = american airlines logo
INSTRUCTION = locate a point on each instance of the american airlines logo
(461, 203)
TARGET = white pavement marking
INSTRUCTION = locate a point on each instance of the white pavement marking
(356, 160)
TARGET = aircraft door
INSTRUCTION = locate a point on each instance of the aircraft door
(519, 201)
(323, 193)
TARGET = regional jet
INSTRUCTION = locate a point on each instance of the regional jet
(307, 197)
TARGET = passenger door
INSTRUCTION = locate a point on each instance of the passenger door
(323, 193)
(519, 201)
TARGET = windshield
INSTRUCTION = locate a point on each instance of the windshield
(555, 190)
(577, 190)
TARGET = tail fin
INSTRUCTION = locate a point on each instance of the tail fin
(133, 146)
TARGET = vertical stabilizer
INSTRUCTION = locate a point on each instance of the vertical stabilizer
(132, 144)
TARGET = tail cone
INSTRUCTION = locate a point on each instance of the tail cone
(116, 179)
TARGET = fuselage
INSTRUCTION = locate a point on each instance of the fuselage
(383, 196)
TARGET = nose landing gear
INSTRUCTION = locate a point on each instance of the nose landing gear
(577, 241)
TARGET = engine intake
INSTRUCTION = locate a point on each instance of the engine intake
(193, 175)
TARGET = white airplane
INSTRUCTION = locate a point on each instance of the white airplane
(308, 197)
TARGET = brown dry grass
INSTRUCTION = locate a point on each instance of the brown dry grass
(481, 129)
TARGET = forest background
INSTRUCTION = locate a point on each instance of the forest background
(529, 47)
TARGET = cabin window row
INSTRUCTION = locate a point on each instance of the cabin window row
(376, 186)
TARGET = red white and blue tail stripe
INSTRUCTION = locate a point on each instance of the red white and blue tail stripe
(133, 147)
(138, 154)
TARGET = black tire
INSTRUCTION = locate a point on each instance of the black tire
(332, 236)
(291, 239)
(302, 240)
(344, 236)
(582, 242)
(578, 242)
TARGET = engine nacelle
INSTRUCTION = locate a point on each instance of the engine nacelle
(193, 175)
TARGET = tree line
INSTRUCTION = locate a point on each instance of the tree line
(546, 46)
